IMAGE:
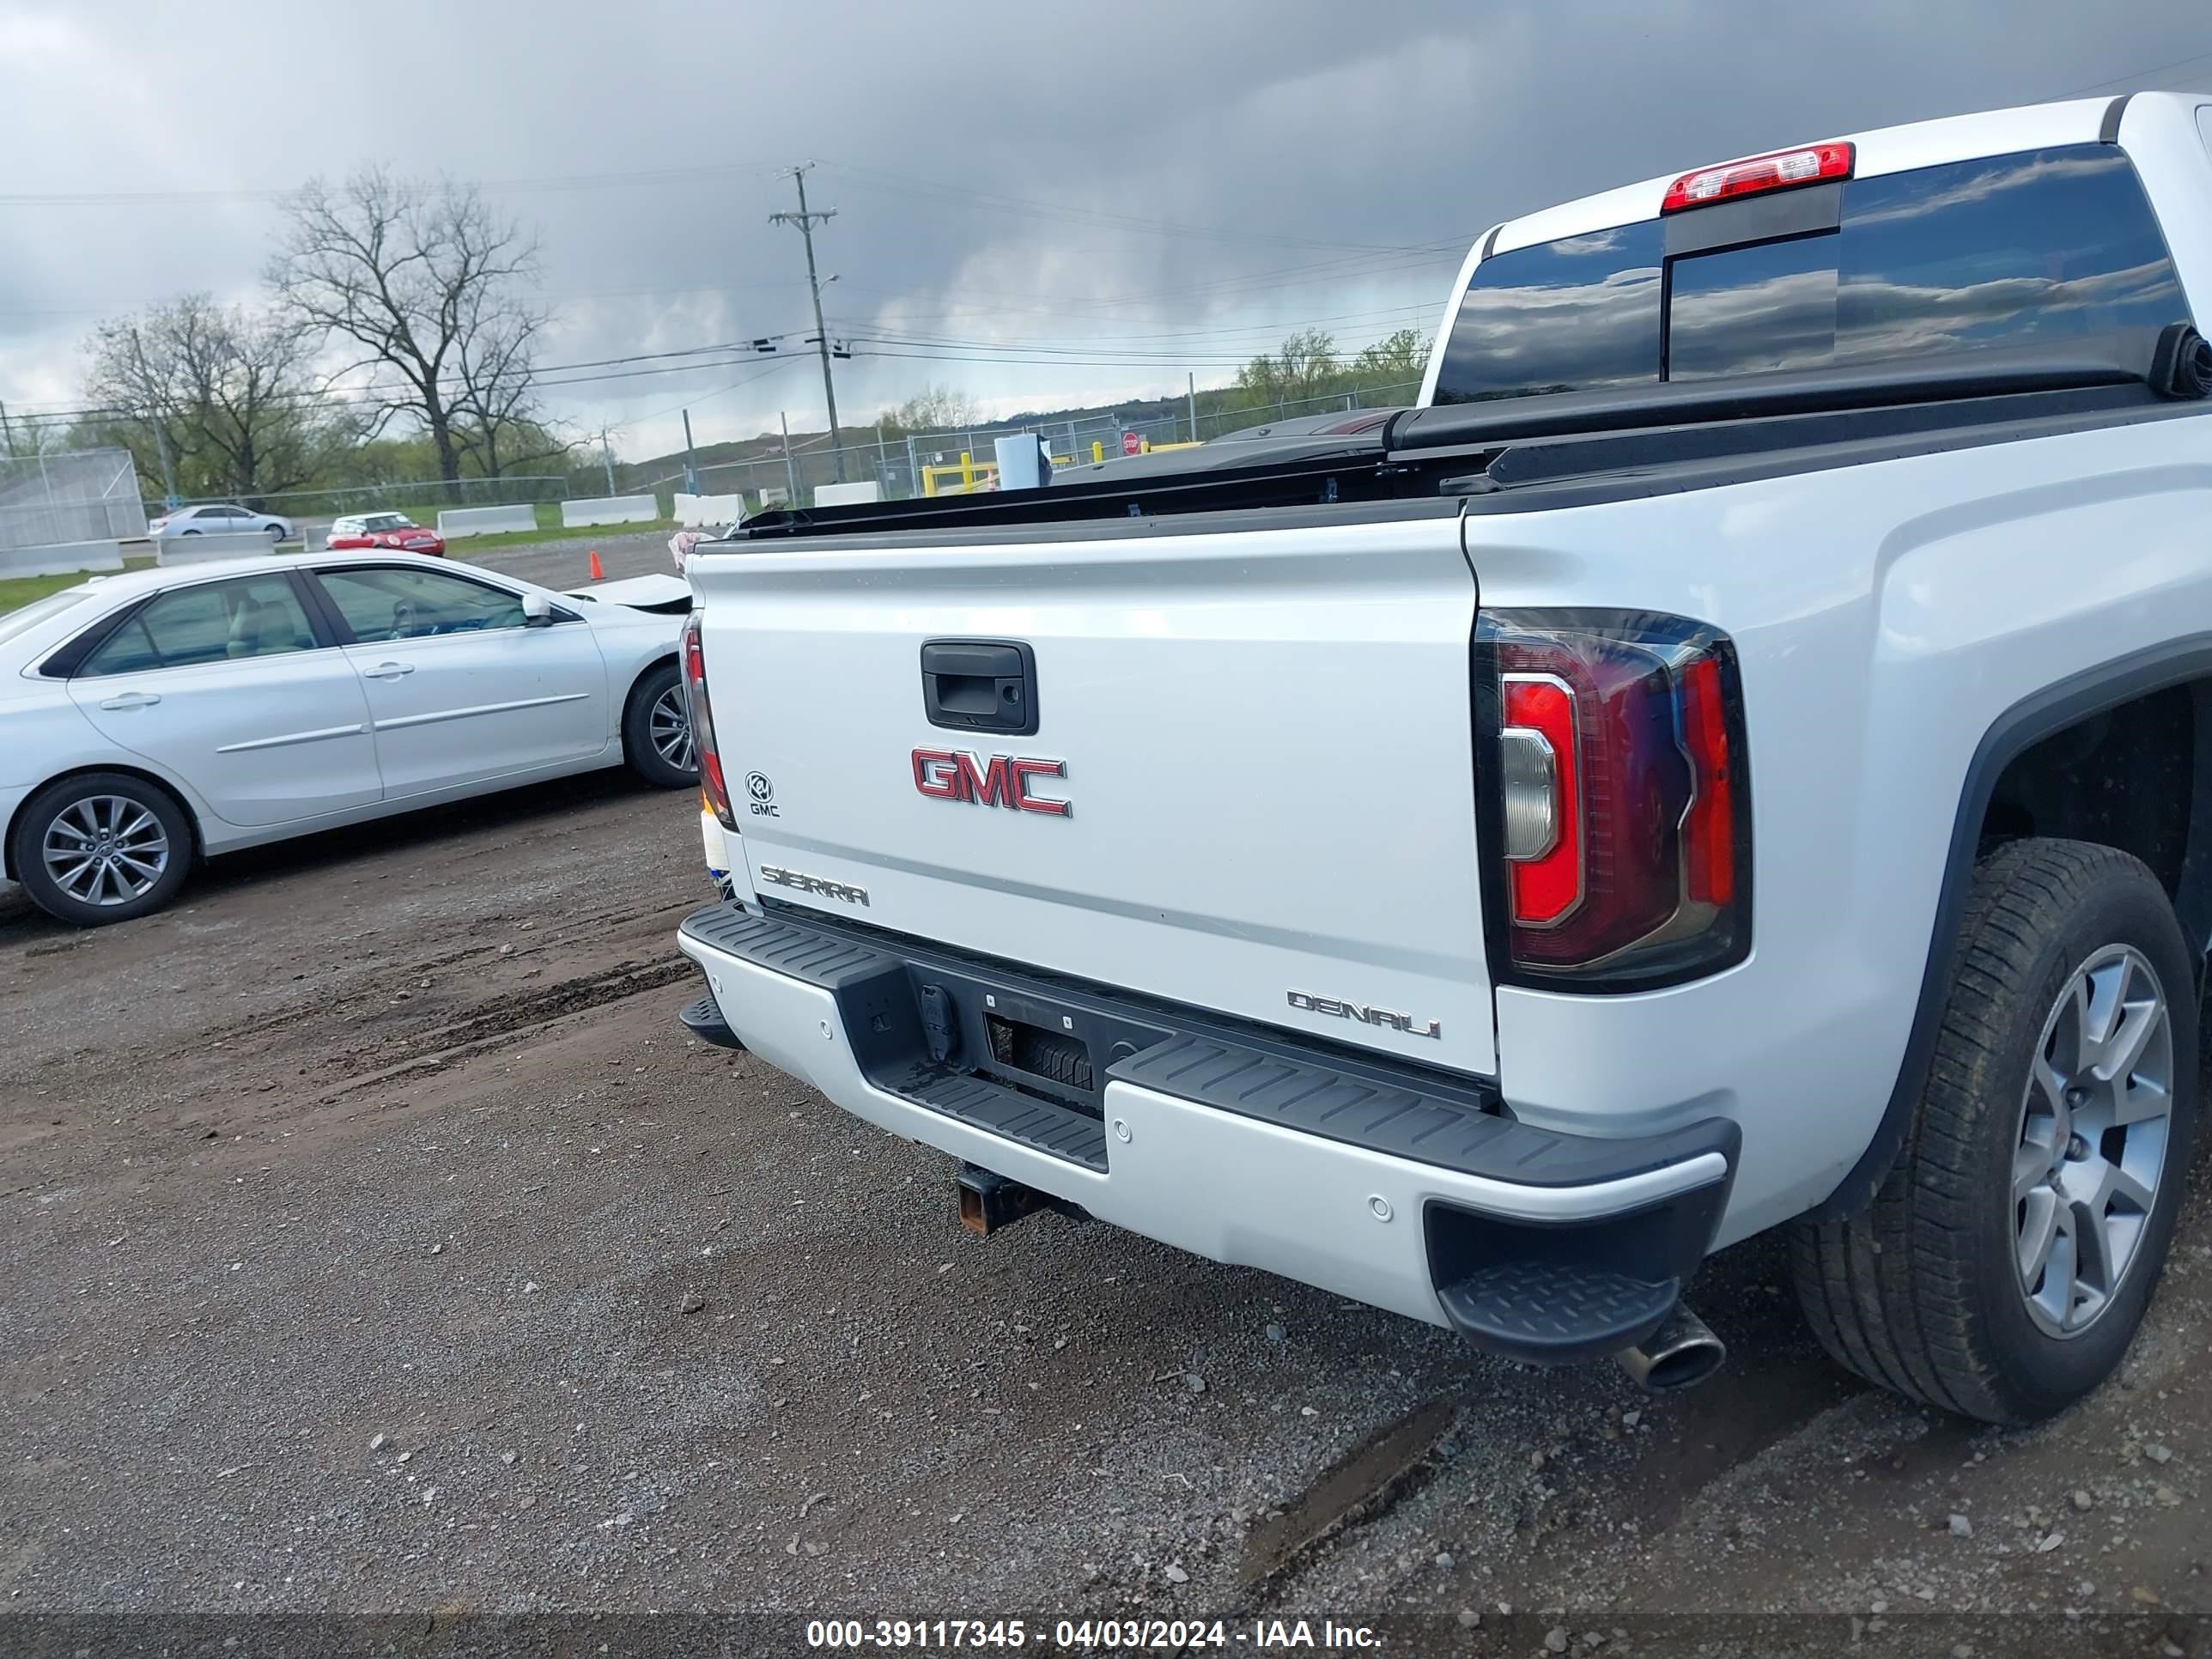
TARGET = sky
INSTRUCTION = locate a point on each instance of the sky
(1038, 205)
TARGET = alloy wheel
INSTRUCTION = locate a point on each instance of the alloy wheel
(106, 850)
(669, 726)
(2094, 1129)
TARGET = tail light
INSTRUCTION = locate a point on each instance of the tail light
(1756, 175)
(713, 788)
(1624, 833)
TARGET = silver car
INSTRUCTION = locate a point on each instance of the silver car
(220, 519)
(154, 718)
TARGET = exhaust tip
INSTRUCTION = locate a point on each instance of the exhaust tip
(1680, 1354)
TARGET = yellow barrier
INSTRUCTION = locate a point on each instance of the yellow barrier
(972, 476)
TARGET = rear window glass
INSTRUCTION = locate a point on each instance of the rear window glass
(2012, 250)
(1565, 316)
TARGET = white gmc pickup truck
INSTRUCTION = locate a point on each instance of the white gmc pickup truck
(1738, 754)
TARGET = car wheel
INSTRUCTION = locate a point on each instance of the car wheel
(2004, 1267)
(101, 847)
(275, 534)
(657, 729)
(189, 532)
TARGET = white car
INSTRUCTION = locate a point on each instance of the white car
(154, 718)
(220, 519)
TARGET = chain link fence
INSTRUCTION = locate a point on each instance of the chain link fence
(77, 495)
(416, 497)
(903, 465)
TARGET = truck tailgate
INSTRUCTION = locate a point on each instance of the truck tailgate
(1248, 787)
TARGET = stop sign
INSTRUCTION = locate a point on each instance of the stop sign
(1130, 444)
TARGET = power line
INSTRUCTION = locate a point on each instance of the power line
(1092, 342)
(377, 392)
(1068, 213)
(556, 183)
(2132, 74)
(806, 222)
(766, 370)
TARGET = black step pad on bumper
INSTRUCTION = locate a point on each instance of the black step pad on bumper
(1556, 1312)
(704, 1019)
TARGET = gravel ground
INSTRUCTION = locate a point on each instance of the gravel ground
(376, 1240)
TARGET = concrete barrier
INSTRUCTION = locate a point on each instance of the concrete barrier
(697, 512)
(847, 494)
(611, 509)
(61, 558)
(454, 522)
(217, 544)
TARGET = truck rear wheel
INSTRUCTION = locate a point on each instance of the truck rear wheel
(2004, 1267)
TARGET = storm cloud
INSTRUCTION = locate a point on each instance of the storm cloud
(1097, 200)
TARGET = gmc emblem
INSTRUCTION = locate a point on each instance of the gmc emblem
(1002, 781)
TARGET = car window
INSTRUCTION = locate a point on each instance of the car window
(1564, 316)
(392, 602)
(2005, 250)
(215, 621)
(2010, 250)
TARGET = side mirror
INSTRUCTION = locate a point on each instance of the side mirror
(536, 610)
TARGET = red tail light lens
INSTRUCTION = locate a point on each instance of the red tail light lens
(713, 789)
(1624, 835)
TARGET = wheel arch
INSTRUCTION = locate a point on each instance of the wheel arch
(672, 658)
(2063, 707)
(122, 768)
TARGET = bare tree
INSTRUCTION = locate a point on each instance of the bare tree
(428, 282)
(498, 424)
(225, 386)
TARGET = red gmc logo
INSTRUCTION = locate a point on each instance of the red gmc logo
(1002, 781)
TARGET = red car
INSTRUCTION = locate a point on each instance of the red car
(393, 531)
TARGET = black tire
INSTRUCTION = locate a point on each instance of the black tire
(59, 801)
(276, 534)
(1920, 1293)
(657, 690)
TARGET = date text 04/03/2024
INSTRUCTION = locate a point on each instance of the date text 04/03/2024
(1106, 1635)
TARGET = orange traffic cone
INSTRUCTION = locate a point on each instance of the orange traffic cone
(597, 575)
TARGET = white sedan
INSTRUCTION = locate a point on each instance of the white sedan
(153, 718)
(220, 519)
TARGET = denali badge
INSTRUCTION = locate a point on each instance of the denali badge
(1364, 1014)
(1002, 781)
(801, 882)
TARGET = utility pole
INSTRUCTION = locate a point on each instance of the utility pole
(806, 220)
(790, 472)
(1192, 380)
(160, 436)
(7, 437)
(691, 464)
(607, 456)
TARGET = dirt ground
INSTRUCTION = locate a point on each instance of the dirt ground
(375, 1240)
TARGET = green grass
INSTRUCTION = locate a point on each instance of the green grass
(461, 547)
(18, 590)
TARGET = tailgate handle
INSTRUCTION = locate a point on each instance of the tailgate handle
(980, 685)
